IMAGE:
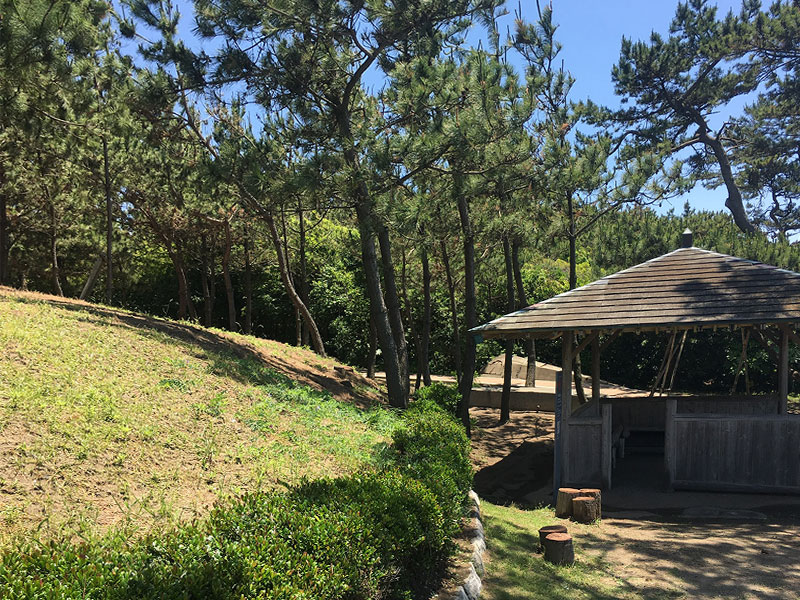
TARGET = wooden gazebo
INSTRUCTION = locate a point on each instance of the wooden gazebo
(710, 442)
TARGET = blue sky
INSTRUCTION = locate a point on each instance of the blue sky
(590, 33)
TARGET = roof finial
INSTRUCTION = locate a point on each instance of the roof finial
(687, 238)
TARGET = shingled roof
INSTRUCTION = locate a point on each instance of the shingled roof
(686, 288)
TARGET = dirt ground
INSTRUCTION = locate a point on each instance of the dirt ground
(677, 545)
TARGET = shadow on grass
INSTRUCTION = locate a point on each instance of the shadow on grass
(237, 359)
(643, 559)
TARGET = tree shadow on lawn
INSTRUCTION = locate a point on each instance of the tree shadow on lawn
(238, 359)
(699, 559)
(642, 559)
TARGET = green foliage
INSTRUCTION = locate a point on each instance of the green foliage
(433, 448)
(404, 520)
(443, 395)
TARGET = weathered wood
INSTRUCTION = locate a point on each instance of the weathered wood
(740, 452)
(669, 440)
(585, 509)
(558, 549)
(596, 368)
(585, 452)
(564, 501)
(566, 400)
(783, 370)
(607, 460)
(547, 530)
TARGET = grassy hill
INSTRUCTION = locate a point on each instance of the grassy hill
(115, 418)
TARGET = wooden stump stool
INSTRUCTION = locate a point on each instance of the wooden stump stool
(547, 530)
(584, 509)
(564, 502)
(558, 549)
(594, 493)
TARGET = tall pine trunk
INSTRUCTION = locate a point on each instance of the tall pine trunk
(283, 267)
(505, 396)
(226, 276)
(425, 340)
(530, 344)
(248, 284)
(470, 304)
(55, 270)
(451, 292)
(207, 300)
(372, 352)
(573, 283)
(384, 314)
(3, 232)
(109, 224)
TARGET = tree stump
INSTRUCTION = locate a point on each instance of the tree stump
(596, 494)
(584, 509)
(564, 502)
(547, 530)
(558, 549)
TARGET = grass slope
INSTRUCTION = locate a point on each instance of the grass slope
(113, 418)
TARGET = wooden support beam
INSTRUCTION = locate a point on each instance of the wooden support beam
(584, 343)
(783, 371)
(742, 359)
(669, 440)
(567, 339)
(607, 444)
(596, 368)
(763, 341)
(609, 339)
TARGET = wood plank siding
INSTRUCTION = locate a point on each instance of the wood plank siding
(737, 453)
(686, 288)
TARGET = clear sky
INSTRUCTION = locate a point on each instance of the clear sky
(590, 33)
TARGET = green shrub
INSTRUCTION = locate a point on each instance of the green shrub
(433, 448)
(404, 520)
(443, 395)
(258, 546)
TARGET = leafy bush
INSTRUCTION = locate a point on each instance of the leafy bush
(258, 546)
(433, 448)
(404, 520)
(442, 395)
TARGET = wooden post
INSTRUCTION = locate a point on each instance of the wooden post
(596, 368)
(669, 440)
(606, 441)
(566, 400)
(783, 371)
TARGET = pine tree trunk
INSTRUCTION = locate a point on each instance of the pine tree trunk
(394, 310)
(373, 350)
(207, 302)
(577, 373)
(451, 291)
(226, 276)
(426, 319)
(3, 232)
(248, 284)
(408, 316)
(505, 397)
(283, 267)
(470, 303)
(109, 224)
(530, 344)
(56, 272)
(303, 290)
(183, 286)
(368, 226)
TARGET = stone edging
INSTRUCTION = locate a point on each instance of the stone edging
(471, 588)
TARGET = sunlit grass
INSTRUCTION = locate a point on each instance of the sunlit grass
(104, 423)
